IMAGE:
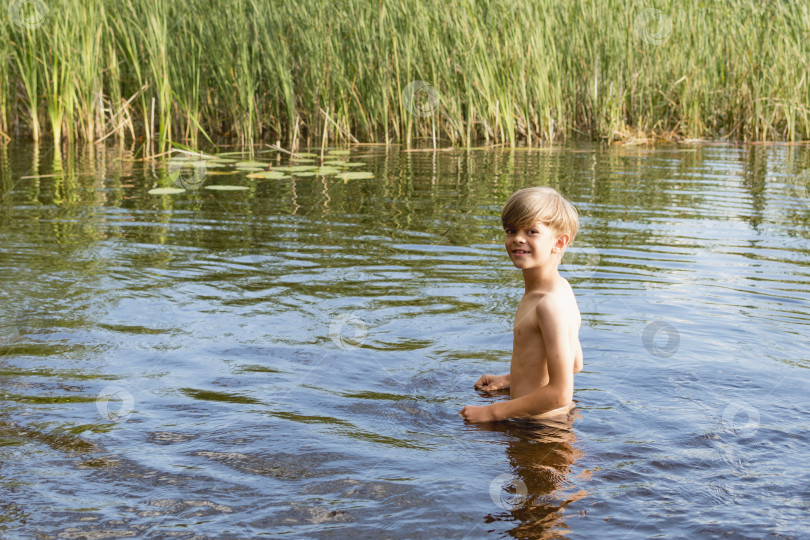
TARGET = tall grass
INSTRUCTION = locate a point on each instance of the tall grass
(5, 82)
(503, 71)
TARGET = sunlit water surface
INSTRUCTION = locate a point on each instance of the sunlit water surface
(290, 360)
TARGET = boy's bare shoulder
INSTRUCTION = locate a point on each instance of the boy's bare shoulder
(559, 301)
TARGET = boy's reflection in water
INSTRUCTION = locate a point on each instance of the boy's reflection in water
(541, 453)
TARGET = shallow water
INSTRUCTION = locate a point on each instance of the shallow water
(290, 360)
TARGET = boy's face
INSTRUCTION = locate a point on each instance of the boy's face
(534, 246)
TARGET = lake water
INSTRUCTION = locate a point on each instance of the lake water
(290, 360)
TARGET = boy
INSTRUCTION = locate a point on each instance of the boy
(539, 225)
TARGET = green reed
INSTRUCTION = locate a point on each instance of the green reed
(499, 71)
(5, 83)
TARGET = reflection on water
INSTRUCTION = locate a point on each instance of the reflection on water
(290, 359)
(537, 491)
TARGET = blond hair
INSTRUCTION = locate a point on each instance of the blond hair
(544, 204)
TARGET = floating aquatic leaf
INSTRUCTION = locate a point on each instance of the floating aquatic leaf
(304, 174)
(165, 191)
(226, 188)
(217, 159)
(248, 164)
(250, 169)
(302, 159)
(295, 168)
(223, 154)
(352, 175)
(324, 171)
(272, 175)
(338, 152)
(177, 163)
(304, 155)
(187, 162)
(222, 173)
(339, 163)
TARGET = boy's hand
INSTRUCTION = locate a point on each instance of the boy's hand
(490, 383)
(477, 415)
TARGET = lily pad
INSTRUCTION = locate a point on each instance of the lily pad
(221, 173)
(165, 191)
(302, 159)
(325, 171)
(304, 174)
(352, 175)
(213, 164)
(178, 162)
(217, 159)
(295, 168)
(338, 152)
(272, 175)
(226, 188)
(304, 155)
(249, 164)
(339, 163)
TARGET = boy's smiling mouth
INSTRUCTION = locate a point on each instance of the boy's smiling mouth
(520, 252)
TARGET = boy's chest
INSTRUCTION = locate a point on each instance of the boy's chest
(528, 366)
(526, 326)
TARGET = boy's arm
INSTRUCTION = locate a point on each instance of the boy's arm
(578, 358)
(560, 361)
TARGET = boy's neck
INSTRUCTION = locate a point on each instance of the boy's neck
(540, 279)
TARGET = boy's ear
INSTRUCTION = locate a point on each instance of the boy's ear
(562, 242)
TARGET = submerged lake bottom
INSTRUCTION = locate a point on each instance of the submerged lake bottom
(286, 356)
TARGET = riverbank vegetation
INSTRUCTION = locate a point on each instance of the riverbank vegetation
(410, 71)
